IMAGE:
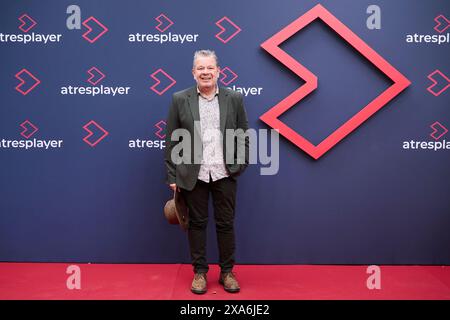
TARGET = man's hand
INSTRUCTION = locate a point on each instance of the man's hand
(174, 187)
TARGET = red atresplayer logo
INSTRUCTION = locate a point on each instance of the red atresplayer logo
(95, 76)
(438, 79)
(26, 21)
(220, 23)
(90, 127)
(23, 80)
(158, 81)
(442, 23)
(438, 130)
(29, 129)
(89, 35)
(272, 46)
(163, 20)
(161, 125)
(227, 76)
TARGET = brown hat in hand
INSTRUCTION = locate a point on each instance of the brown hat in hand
(176, 211)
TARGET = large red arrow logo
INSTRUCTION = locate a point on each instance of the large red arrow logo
(272, 46)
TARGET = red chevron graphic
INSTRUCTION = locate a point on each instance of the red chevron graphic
(153, 76)
(29, 129)
(161, 18)
(223, 29)
(161, 125)
(25, 19)
(442, 23)
(19, 76)
(438, 127)
(437, 77)
(227, 76)
(95, 73)
(92, 125)
(88, 34)
(272, 46)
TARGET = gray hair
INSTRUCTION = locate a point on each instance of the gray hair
(205, 53)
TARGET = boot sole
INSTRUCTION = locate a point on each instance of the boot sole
(229, 290)
(198, 291)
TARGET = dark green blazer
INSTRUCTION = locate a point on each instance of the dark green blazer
(183, 111)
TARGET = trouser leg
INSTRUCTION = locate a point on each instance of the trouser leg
(197, 203)
(224, 199)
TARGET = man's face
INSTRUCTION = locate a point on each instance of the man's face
(206, 72)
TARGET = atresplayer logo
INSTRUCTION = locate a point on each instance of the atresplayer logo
(441, 25)
(28, 130)
(95, 76)
(26, 24)
(162, 23)
(145, 143)
(437, 131)
(272, 46)
(228, 77)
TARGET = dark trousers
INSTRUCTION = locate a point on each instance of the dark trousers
(223, 194)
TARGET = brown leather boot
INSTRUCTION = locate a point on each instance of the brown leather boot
(199, 284)
(229, 282)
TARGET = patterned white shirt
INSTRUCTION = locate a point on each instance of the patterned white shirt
(213, 163)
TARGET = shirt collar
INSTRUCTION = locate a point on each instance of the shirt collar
(216, 93)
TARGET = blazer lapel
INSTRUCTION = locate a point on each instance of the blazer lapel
(193, 104)
(223, 107)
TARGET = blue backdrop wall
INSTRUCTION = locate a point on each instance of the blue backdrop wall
(369, 200)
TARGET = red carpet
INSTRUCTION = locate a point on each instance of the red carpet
(258, 282)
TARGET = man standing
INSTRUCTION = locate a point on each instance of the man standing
(208, 113)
